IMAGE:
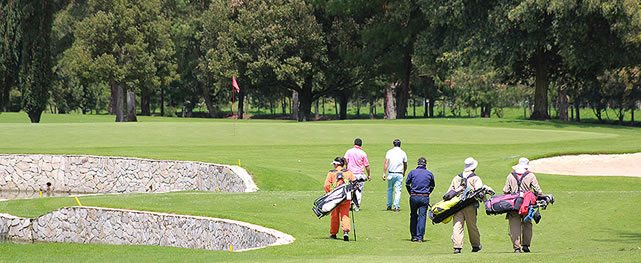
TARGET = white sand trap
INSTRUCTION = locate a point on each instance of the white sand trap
(587, 164)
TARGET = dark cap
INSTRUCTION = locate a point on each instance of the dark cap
(422, 161)
(358, 142)
(397, 143)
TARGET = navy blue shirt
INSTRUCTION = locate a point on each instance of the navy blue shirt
(420, 181)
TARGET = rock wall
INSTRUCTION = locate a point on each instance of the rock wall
(13, 227)
(98, 174)
(118, 226)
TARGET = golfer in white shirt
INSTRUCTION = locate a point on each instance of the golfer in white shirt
(393, 171)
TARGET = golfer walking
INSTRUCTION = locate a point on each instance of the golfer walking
(358, 164)
(466, 181)
(394, 169)
(340, 216)
(419, 184)
(521, 180)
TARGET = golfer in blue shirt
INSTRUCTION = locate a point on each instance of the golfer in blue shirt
(419, 184)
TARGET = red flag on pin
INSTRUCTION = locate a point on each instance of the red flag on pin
(234, 84)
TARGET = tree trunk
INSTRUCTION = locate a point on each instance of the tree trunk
(342, 101)
(131, 106)
(323, 106)
(113, 100)
(540, 111)
(372, 108)
(632, 113)
(390, 103)
(316, 112)
(9, 81)
(486, 111)
(34, 116)
(414, 107)
(241, 104)
(571, 110)
(120, 102)
(211, 108)
(425, 108)
(358, 108)
(305, 104)
(162, 101)
(577, 108)
(284, 106)
(336, 107)
(621, 115)
(403, 92)
(563, 105)
(145, 103)
(295, 105)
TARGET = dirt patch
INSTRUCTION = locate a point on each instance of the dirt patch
(590, 165)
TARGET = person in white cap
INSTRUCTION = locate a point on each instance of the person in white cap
(463, 181)
(518, 181)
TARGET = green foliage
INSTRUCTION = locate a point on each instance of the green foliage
(35, 69)
(10, 48)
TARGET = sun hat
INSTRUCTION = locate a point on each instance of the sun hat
(338, 160)
(470, 164)
(522, 166)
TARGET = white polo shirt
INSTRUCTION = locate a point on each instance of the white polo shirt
(396, 158)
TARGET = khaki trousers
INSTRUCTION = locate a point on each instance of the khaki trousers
(467, 216)
(520, 232)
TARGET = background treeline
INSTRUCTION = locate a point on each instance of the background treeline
(176, 57)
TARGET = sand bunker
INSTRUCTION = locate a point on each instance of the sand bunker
(587, 164)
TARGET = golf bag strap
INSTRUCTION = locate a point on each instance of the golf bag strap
(519, 181)
(464, 180)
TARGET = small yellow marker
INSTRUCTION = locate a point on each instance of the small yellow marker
(231, 248)
(238, 162)
(77, 201)
(40, 194)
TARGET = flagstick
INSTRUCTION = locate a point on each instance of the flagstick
(232, 111)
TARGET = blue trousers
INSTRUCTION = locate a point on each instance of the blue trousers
(394, 185)
(418, 214)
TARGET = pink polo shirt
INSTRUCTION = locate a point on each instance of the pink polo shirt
(356, 160)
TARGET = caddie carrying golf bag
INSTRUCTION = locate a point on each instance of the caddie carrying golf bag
(326, 203)
(444, 210)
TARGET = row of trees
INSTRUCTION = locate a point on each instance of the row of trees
(94, 55)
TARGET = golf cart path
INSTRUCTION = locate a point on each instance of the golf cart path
(590, 165)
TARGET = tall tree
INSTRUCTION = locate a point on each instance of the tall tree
(35, 68)
(10, 48)
(121, 38)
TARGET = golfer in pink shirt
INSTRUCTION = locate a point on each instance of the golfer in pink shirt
(357, 163)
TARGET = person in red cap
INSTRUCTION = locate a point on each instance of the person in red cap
(340, 216)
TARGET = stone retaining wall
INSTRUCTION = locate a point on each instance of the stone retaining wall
(99, 174)
(118, 226)
(13, 227)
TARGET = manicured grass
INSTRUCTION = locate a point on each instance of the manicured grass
(594, 219)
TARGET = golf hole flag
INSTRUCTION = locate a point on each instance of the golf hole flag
(234, 88)
(234, 84)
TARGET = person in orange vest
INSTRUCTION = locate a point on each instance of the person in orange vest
(340, 216)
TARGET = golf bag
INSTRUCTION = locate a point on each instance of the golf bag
(444, 210)
(326, 203)
(500, 204)
(534, 213)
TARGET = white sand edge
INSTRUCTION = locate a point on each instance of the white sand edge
(590, 165)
